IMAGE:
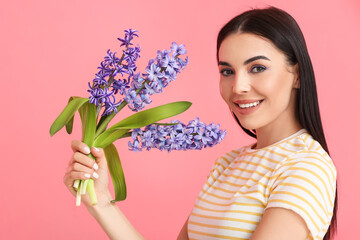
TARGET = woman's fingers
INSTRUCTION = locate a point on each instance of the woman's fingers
(88, 172)
(85, 160)
(78, 146)
(99, 154)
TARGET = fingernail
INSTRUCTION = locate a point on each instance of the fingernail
(87, 150)
(96, 149)
(87, 175)
(95, 166)
(95, 175)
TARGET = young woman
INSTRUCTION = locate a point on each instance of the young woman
(283, 186)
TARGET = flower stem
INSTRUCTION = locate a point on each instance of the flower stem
(104, 121)
(78, 197)
(91, 192)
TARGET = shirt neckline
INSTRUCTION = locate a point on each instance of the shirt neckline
(249, 149)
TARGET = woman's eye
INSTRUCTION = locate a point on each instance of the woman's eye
(257, 69)
(226, 72)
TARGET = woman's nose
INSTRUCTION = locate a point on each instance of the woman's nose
(241, 84)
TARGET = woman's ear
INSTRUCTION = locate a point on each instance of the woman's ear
(296, 75)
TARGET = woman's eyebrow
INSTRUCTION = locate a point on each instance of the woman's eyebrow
(224, 63)
(256, 58)
(247, 61)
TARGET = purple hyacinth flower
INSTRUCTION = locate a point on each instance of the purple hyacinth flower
(129, 35)
(183, 63)
(111, 58)
(120, 85)
(178, 50)
(100, 78)
(98, 95)
(135, 146)
(179, 136)
(137, 81)
(111, 106)
(154, 72)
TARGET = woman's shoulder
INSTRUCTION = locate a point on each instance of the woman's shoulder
(313, 151)
(310, 157)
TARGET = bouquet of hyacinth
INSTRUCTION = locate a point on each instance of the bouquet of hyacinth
(116, 85)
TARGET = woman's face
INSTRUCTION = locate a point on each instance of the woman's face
(252, 69)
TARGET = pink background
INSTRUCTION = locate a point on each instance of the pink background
(49, 50)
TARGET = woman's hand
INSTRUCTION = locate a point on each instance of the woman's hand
(83, 167)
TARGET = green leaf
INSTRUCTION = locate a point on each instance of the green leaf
(152, 115)
(67, 114)
(88, 122)
(116, 172)
(104, 140)
(141, 119)
(70, 123)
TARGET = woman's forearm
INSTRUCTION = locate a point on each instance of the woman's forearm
(114, 222)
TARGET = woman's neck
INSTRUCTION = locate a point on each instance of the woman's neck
(270, 134)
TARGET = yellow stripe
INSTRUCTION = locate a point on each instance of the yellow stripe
(263, 157)
(234, 184)
(228, 198)
(231, 156)
(218, 171)
(225, 159)
(274, 152)
(326, 161)
(215, 235)
(214, 179)
(249, 171)
(221, 189)
(222, 166)
(234, 151)
(308, 192)
(310, 182)
(229, 204)
(227, 191)
(311, 172)
(225, 218)
(226, 211)
(297, 144)
(297, 206)
(314, 164)
(285, 149)
(221, 227)
(303, 199)
(312, 143)
(306, 137)
(252, 163)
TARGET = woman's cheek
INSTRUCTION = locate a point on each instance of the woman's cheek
(224, 89)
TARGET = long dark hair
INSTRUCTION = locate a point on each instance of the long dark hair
(282, 29)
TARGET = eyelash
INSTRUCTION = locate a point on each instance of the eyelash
(222, 72)
(263, 68)
(258, 66)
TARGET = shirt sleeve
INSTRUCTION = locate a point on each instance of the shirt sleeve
(307, 187)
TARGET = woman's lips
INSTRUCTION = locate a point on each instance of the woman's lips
(246, 111)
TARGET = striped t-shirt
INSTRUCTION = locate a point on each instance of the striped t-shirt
(295, 173)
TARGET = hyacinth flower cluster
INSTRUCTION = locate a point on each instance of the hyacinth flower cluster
(117, 81)
(180, 136)
(117, 84)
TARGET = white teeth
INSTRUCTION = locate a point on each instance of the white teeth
(249, 105)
